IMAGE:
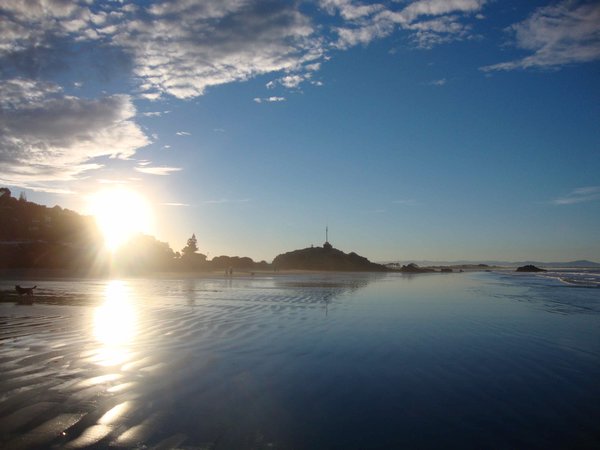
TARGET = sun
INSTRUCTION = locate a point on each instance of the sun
(120, 213)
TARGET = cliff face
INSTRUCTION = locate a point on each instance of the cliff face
(325, 258)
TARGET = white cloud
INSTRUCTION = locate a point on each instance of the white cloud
(295, 80)
(153, 113)
(183, 133)
(157, 170)
(580, 195)
(49, 136)
(180, 47)
(428, 22)
(23, 23)
(269, 99)
(175, 204)
(349, 9)
(292, 81)
(440, 7)
(561, 34)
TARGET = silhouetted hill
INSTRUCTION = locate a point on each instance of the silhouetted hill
(21, 220)
(530, 268)
(35, 236)
(325, 258)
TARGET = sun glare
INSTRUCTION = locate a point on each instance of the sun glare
(120, 213)
(115, 324)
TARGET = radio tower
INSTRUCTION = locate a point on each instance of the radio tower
(327, 245)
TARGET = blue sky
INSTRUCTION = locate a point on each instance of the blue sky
(424, 129)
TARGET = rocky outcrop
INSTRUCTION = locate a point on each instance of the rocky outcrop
(413, 268)
(530, 268)
(325, 258)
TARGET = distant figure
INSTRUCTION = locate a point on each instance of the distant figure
(231, 271)
(24, 291)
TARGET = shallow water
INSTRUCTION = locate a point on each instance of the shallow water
(472, 360)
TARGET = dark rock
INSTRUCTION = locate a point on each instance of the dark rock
(530, 268)
(325, 258)
(413, 268)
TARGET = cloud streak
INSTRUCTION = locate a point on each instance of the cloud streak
(157, 170)
(175, 204)
(580, 195)
(269, 99)
(556, 35)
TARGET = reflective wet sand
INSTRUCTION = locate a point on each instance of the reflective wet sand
(315, 361)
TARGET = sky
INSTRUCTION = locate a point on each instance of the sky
(413, 129)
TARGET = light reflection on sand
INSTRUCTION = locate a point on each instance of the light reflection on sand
(328, 361)
(115, 325)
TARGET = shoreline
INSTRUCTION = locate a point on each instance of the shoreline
(49, 274)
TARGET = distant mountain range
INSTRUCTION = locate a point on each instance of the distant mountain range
(574, 264)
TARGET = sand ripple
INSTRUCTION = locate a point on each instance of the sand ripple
(284, 362)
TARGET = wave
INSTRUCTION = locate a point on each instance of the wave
(578, 278)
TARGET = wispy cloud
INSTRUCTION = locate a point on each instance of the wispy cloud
(155, 113)
(290, 81)
(183, 133)
(158, 170)
(438, 83)
(579, 195)
(428, 22)
(175, 204)
(405, 202)
(565, 33)
(269, 99)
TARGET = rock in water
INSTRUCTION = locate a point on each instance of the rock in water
(530, 268)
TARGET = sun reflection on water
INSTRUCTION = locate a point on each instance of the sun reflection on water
(115, 325)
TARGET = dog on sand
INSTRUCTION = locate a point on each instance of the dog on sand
(25, 291)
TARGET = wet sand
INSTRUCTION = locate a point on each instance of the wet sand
(311, 361)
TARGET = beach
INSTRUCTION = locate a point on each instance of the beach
(311, 360)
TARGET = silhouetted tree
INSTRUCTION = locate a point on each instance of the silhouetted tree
(4, 192)
(191, 247)
(189, 257)
(22, 197)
